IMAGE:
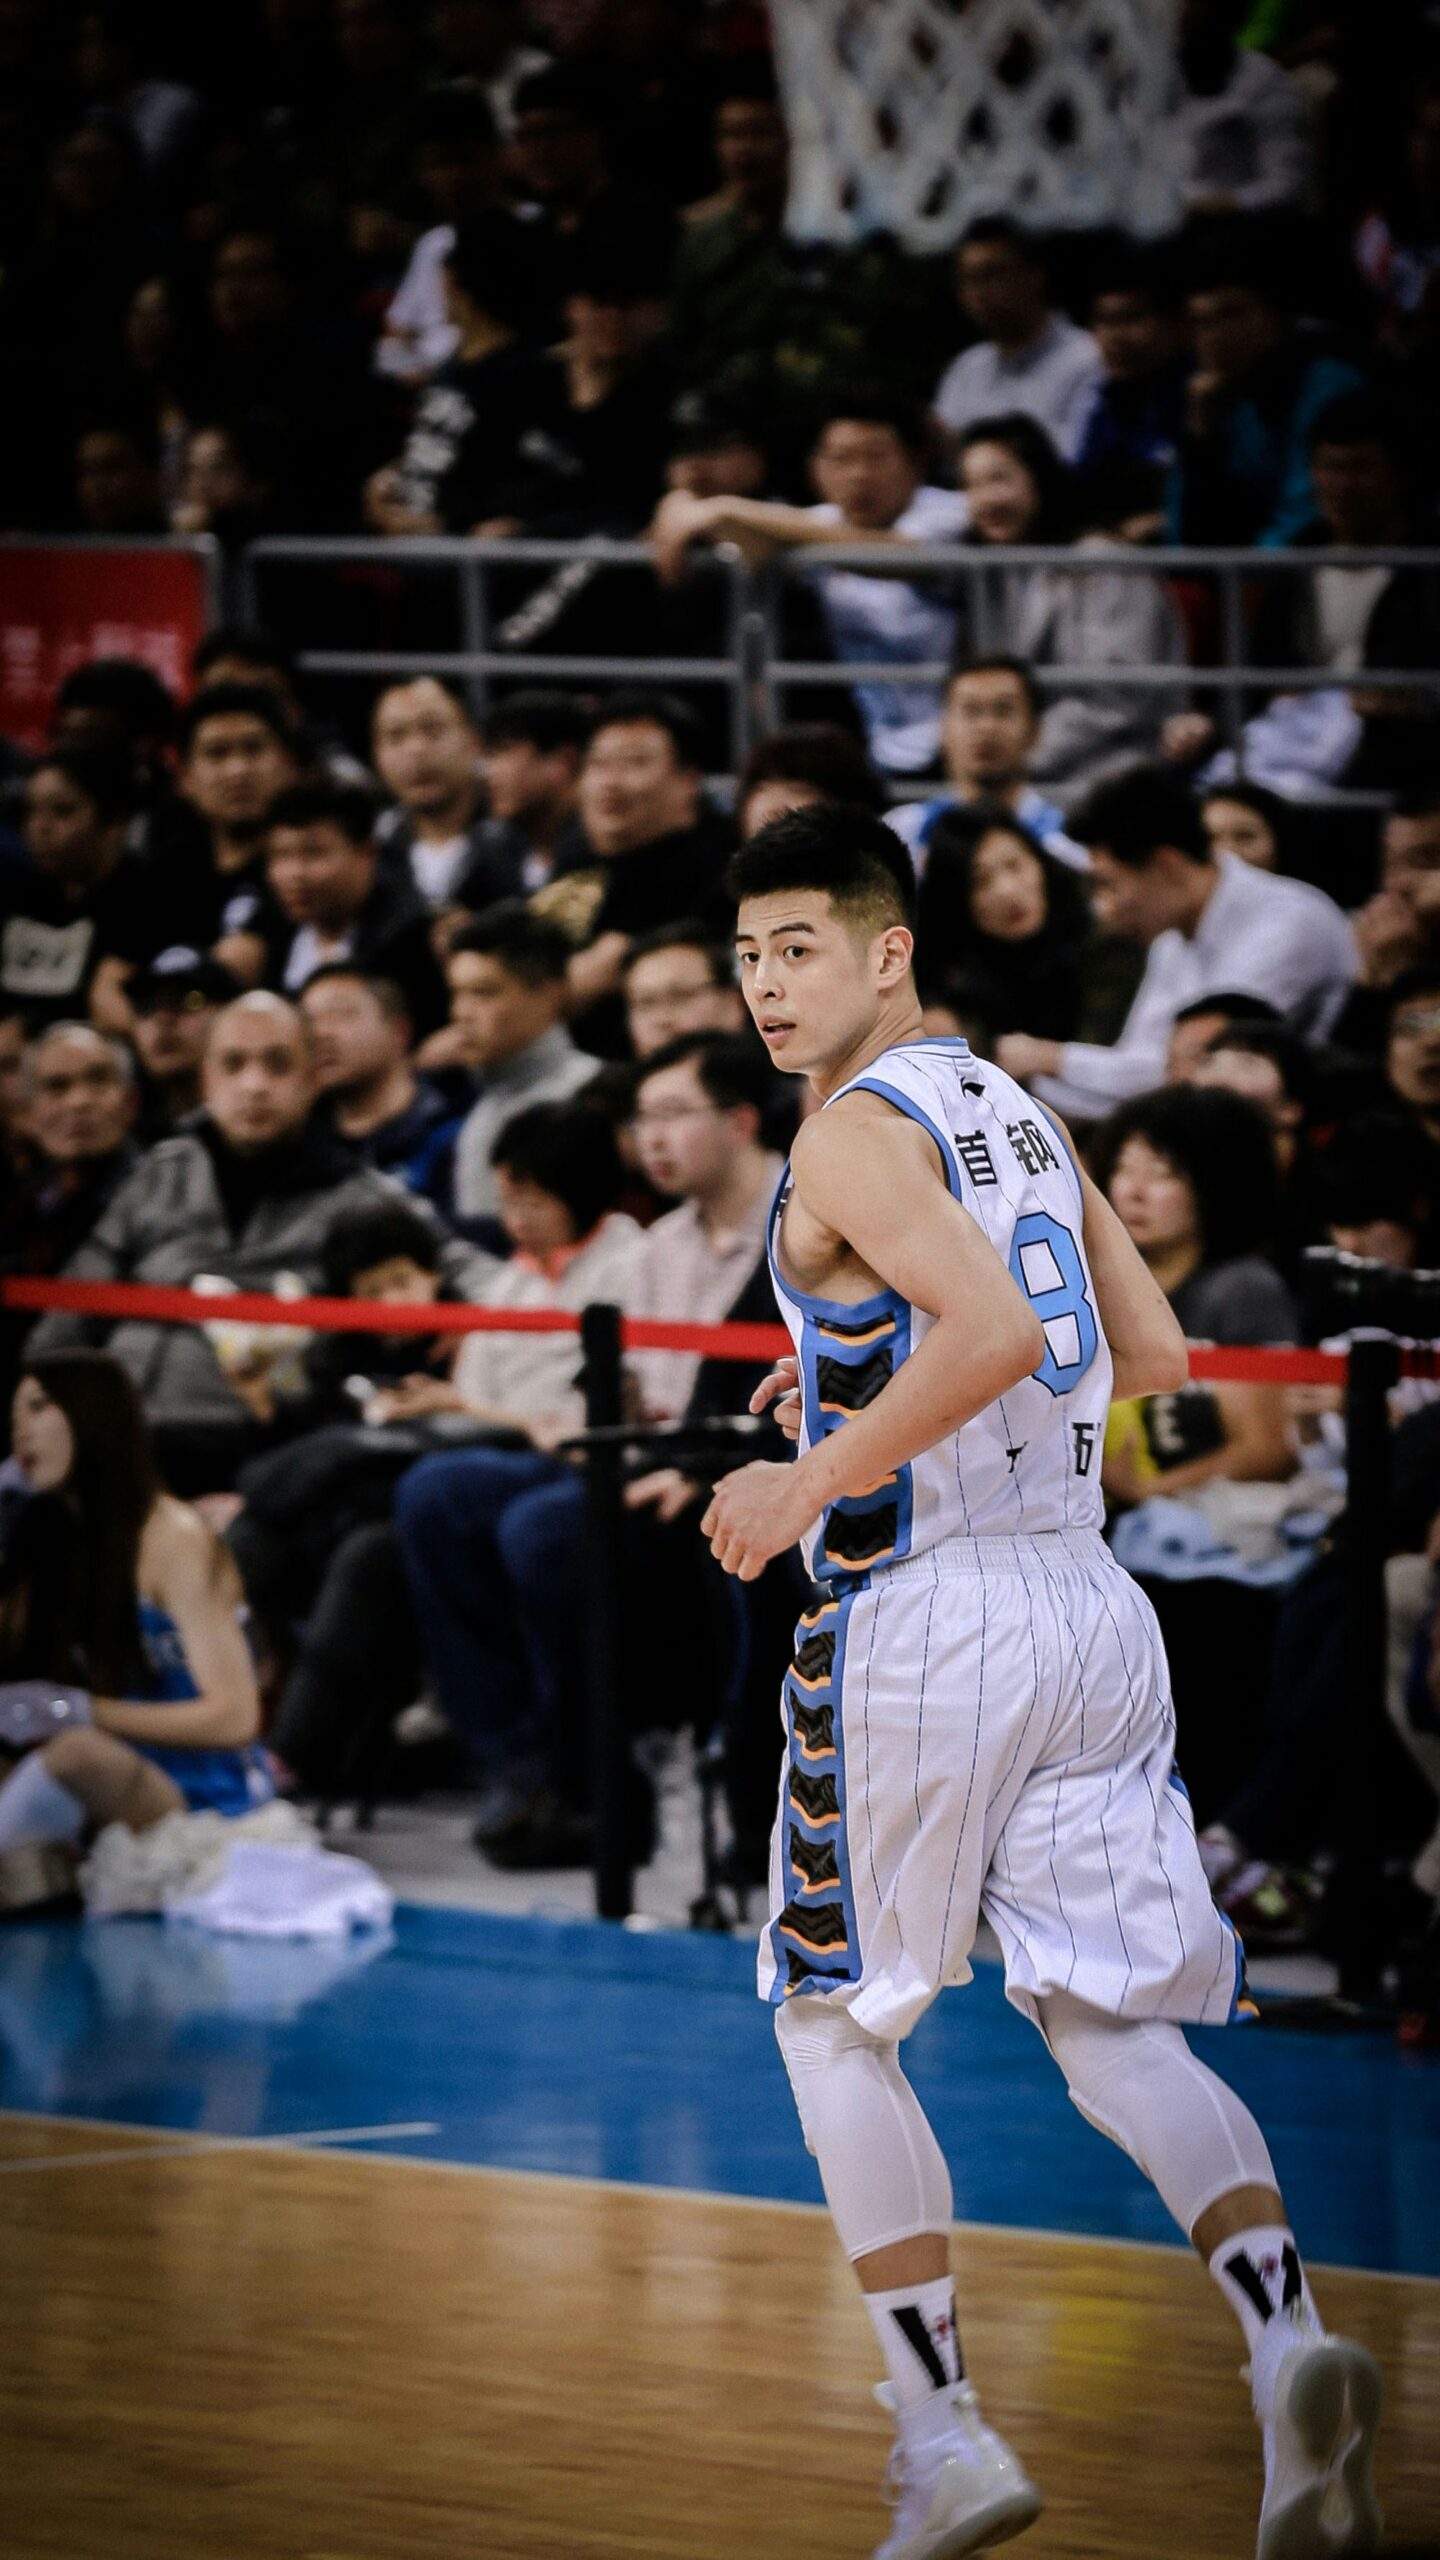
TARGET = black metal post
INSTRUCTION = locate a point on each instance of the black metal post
(608, 1741)
(1356, 1893)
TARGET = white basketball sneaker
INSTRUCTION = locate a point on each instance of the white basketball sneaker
(955, 2485)
(1319, 2428)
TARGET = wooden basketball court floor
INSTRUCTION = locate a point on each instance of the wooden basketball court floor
(496, 2239)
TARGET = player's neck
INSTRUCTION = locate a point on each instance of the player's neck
(899, 1023)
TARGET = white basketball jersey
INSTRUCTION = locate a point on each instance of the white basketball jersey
(1030, 1461)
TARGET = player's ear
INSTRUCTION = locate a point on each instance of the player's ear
(897, 950)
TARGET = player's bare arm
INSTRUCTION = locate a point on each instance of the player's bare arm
(1146, 1343)
(869, 1189)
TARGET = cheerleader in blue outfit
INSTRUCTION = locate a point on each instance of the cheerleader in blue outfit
(126, 1681)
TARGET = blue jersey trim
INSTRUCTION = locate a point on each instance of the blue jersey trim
(840, 1310)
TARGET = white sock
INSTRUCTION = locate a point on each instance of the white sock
(34, 1806)
(917, 2336)
(1260, 2274)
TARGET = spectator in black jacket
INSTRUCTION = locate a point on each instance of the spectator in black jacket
(371, 1096)
(330, 900)
(77, 916)
(659, 849)
(469, 429)
(237, 750)
(79, 1088)
(1258, 385)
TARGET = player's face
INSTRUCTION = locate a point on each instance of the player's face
(814, 985)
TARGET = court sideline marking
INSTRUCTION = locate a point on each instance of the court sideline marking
(180, 2146)
(171, 2149)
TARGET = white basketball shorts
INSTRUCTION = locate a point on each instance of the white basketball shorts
(988, 1727)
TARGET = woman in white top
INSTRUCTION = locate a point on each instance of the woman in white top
(557, 1174)
(1019, 491)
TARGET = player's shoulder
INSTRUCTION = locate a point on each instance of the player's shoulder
(836, 1137)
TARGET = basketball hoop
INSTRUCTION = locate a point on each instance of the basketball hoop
(915, 116)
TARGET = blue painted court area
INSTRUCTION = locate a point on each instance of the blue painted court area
(587, 2051)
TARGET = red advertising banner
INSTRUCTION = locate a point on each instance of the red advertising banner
(62, 604)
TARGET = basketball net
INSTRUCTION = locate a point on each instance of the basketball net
(915, 116)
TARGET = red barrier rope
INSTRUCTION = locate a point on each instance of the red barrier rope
(128, 1299)
(122, 1299)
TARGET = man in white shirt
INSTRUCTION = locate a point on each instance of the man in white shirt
(991, 720)
(1030, 357)
(1209, 924)
(867, 468)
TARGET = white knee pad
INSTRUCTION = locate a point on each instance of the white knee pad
(883, 2171)
(1137, 2080)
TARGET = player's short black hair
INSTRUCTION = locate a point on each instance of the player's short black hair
(320, 802)
(1131, 817)
(1222, 1146)
(852, 855)
(733, 1071)
(230, 701)
(664, 711)
(538, 717)
(569, 1150)
(533, 948)
(377, 1231)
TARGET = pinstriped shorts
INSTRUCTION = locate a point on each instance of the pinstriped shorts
(987, 1727)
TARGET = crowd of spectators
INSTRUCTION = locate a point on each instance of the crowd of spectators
(438, 1003)
(489, 268)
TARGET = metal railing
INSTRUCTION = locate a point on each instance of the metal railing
(479, 660)
(754, 673)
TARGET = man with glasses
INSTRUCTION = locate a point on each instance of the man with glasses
(678, 979)
(697, 1134)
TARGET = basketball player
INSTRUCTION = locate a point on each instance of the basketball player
(978, 1710)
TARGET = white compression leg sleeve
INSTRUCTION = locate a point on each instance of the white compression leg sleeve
(883, 2171)
(1137, 2080)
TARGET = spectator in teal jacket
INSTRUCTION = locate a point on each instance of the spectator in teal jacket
(1242, 471)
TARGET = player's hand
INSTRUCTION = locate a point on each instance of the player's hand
(755, 1514)
(782, 1389)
